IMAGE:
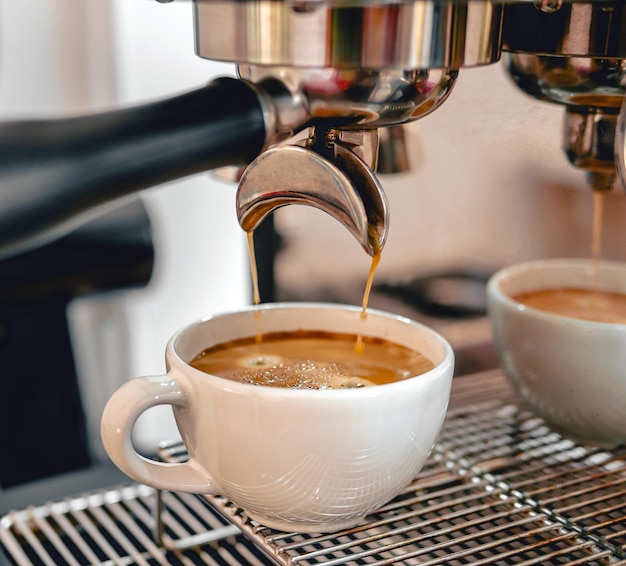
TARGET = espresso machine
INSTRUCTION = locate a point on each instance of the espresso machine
(362, 69)
(323, 111)
(362, 74)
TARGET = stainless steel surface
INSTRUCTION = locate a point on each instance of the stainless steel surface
(351, 66)
(117, 526)
(345, 108)
(499, 488)
(589, 143)
(421, 34)
(393, 150)
(344, 69)
(360, 98)
(592, 90)
(342, 186)
(571, 81)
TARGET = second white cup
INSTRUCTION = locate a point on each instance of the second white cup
(571, 372)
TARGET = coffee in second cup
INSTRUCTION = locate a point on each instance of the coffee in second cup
(590, 304)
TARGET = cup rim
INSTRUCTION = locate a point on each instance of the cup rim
(494, 290)
(440, 369)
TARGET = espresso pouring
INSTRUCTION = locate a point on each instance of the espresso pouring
(312, 359)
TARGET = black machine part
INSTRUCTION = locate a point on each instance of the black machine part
(55, 173)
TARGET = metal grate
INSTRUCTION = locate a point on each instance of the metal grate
(117, 527)
(500, 488)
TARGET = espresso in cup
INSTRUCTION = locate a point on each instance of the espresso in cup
(586, 304)
(312, 360)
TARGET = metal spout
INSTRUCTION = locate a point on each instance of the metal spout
(347, 189)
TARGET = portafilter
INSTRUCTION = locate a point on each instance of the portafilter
(316, 80)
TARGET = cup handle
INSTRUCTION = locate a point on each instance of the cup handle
(118, 418)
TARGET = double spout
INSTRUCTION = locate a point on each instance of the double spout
(341, 185)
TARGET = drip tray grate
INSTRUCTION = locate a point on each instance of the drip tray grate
(499, 488)
(118, 527)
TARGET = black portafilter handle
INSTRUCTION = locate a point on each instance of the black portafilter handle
(54, 173)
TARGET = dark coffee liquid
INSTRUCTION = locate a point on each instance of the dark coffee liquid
(256, 297)
(312, 360)
(585, 304)
(359, 345)
(596, 227)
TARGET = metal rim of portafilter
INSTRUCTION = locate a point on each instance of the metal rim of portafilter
(574, 54)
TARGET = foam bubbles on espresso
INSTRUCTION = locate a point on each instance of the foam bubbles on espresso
(296, 374)
(311, 360)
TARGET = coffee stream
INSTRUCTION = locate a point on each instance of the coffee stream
(596, 233)
(359, 346)
(596, 230)
(253, 269)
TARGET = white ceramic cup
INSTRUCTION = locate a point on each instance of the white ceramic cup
(296, 460)
(570, 372)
